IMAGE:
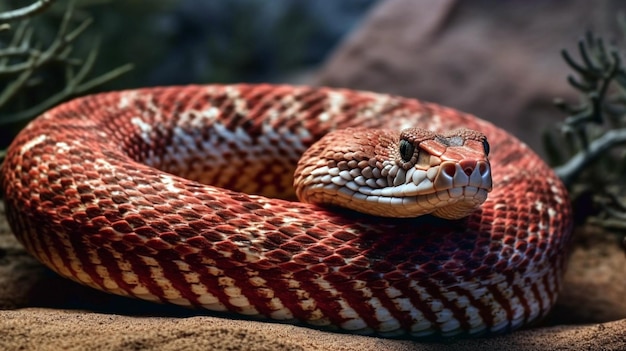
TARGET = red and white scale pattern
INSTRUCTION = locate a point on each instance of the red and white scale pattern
(106, 190)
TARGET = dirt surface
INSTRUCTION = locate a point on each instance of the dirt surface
(43, 329)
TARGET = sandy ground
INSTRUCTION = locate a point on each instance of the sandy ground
(46, 329)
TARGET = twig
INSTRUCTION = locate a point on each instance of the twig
(30, 52)
(58, 51)
(26, 11)
(53, 52)
(569, 171)
(72, 89)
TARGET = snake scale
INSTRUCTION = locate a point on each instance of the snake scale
(184, 195)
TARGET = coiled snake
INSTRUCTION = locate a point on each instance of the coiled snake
(108, 190)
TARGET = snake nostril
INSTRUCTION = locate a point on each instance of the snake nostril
(449, 169)
(482, 168)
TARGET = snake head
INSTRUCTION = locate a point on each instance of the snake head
(405, 173)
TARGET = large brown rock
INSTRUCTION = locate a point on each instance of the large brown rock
(499, 60)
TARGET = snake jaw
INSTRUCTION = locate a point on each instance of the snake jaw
(447, 175)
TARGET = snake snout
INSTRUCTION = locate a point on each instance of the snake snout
(464, 173)
(465, 184)
(468, 166)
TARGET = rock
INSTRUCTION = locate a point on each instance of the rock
(499, 60)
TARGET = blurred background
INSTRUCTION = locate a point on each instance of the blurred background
(174, 42)
(197, 41)
(499, 60)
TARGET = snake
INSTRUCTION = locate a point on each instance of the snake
(185, 195)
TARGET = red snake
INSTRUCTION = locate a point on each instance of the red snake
(109, 190)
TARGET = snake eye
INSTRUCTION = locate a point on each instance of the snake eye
(486, 147)
(406, 150)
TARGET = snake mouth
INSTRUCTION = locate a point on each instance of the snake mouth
(450, 177)
(451, 190)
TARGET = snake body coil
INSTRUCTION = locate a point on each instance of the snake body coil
(108, 190)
